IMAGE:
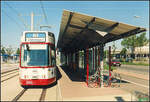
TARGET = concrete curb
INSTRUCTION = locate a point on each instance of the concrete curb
(60, 98)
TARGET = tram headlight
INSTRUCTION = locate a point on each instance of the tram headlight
(25, 76)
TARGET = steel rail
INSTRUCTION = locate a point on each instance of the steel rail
(9, 78)
(43, 94)
(19, 95)
(9, 74)
(9, 71)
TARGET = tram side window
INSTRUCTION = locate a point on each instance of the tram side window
(50, 56)
(53, 61)
(22, 57)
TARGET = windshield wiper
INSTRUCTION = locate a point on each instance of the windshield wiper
(28, 49)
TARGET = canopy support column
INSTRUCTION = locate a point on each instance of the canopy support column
(101, 64)
(93, 57)
(87, 65)
(84, 62)
(109, 65)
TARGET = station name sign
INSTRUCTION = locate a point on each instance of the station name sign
(35, 37)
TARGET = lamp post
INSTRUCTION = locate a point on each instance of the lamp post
(140, 18)
(136, 16)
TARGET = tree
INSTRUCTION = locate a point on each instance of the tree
(134, 41)
(123, 51)
(113, 48)
(9, 50)
(18, 51)
(130, 43)
(3, 50)
(142, 40)
(105, 54)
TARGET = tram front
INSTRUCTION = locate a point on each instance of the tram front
(37, 59)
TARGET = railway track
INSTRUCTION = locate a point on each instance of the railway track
(19, 95)
(9, 71)
(8, 75)
(9, 78)
(43, 94)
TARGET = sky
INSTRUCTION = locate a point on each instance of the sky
(12, 25)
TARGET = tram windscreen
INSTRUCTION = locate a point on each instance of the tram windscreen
(35, 57)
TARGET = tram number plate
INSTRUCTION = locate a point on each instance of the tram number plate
(28, 82)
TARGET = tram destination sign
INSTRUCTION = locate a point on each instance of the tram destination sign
(35, 37)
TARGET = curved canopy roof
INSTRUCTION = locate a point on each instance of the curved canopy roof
(79, 31)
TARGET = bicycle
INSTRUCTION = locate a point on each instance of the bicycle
(112, 81)
(94, 80)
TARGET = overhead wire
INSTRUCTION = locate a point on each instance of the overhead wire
(12, 8)
(11, 18)
(25, 24)
(46, 20)
(38, 23)
(18, 14)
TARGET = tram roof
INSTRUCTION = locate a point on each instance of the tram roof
(79, 31)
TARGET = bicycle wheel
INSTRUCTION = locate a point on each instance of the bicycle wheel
(106, 83)
(92, 83)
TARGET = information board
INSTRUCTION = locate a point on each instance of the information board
(35, 37)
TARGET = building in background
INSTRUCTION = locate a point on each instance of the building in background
(4, 58)
(142, 52)
(139, 53)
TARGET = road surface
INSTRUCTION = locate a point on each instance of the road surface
(136, 76)
(135, 68)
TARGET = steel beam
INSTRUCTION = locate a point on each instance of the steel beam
(83, 29)
(74, 26)
(69, 20)
(111, 27)
(129, 33)
(86, 27)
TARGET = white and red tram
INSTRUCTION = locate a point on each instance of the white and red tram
(37, 58)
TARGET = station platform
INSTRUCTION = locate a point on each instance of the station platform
(74, 89)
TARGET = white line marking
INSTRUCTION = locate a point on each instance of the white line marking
(136, 83)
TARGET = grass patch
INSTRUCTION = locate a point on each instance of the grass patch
(106, 67)
(131, 63)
